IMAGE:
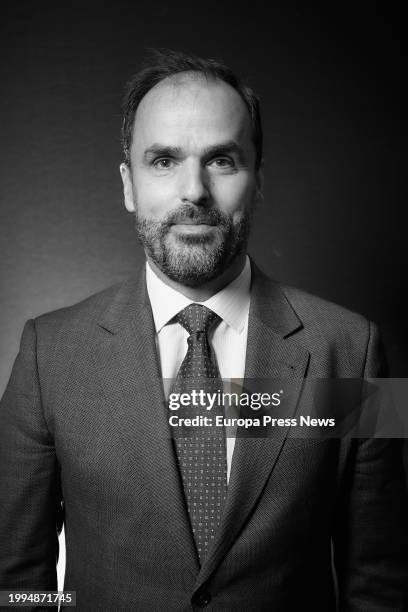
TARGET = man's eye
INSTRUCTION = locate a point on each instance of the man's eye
(163, 163)
(223, 162)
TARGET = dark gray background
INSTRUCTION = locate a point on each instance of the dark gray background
(334, 110)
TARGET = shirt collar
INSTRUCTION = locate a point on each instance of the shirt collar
(231, 304)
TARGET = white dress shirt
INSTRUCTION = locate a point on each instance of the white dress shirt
(229, 339)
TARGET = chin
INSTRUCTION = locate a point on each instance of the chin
(195, 260)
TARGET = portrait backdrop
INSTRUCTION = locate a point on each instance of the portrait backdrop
(334, 110)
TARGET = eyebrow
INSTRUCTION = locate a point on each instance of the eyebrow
(223, 148)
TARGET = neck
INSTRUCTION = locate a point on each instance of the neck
(208, 289)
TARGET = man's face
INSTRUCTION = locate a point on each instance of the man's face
(192, 181)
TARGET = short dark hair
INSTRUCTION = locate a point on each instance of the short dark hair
(164, 63)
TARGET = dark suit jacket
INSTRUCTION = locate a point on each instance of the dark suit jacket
(84, 433)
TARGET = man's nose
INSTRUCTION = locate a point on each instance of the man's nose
(194, 184)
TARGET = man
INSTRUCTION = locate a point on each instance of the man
(155, 519)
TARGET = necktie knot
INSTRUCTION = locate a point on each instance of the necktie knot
(196, 318)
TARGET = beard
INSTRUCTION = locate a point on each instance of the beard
(193, 259)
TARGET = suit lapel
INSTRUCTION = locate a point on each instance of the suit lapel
(271, 354)
(127, 360)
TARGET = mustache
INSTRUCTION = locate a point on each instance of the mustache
(209, 216)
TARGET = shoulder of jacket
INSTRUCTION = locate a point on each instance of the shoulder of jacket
(328, 316)
(89, 308)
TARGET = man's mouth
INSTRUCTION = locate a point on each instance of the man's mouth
(192, 222)
(192, 226)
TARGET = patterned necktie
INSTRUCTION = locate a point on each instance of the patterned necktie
(201, 451)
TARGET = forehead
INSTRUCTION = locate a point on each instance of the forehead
(188, 109)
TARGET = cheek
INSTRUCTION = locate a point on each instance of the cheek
(153, 198)
(234, 194)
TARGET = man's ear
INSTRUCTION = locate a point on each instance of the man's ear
(127, 187)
